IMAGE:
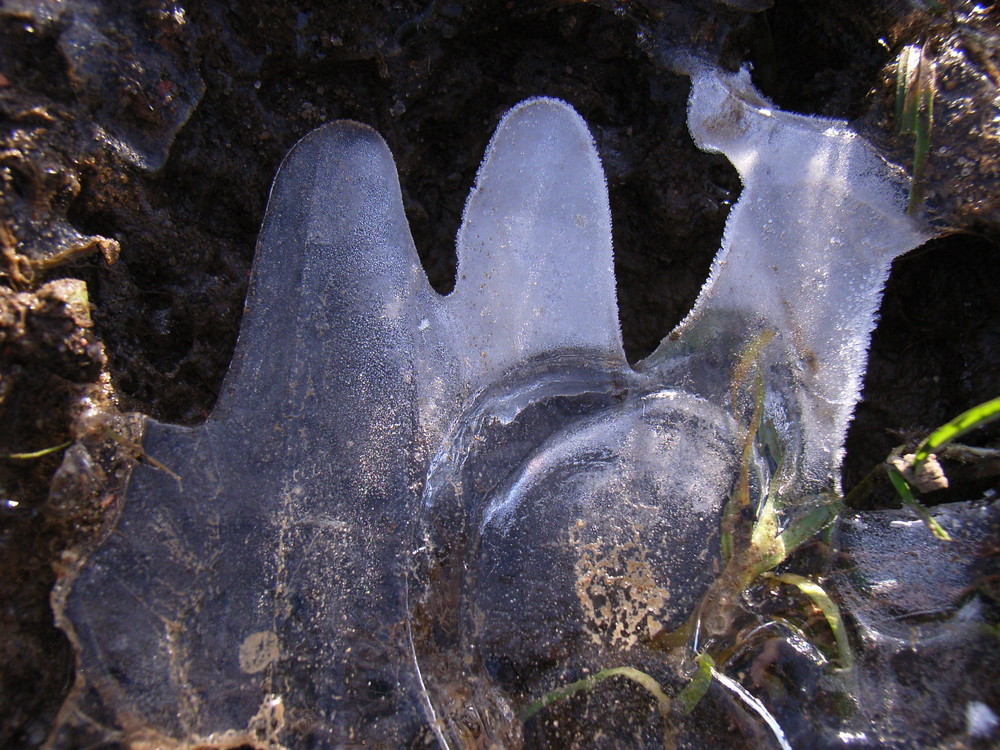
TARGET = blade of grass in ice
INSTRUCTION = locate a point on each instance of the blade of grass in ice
(906, 494)
(830, 611)
(695, 690)
(589, 683)
(37, 454)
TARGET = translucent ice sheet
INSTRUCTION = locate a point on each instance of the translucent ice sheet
(410, 516)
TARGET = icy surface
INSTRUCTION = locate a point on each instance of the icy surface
(806, 253)
(409, 516)
(535, 272)
(912, 599)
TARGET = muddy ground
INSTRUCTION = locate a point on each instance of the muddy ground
(139, 141)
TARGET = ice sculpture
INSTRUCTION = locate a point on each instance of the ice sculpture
(411, 516)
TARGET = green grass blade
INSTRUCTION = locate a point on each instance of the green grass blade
(923, 123)
(37, 454)
(731, 531)
(906, 494)
(805, 527)
(695, 690)
(589, 683)
(830, 611)
(750, 358)
(901, 77)
(965, 422)
(910, 61)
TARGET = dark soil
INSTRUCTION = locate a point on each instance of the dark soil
(140, 140)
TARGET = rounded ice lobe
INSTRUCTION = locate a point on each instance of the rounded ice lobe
(411, 516)
(535, 268)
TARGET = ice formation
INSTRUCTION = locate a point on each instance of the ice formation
(408, 515)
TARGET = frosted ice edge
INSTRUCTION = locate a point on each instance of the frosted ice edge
(805, 255)
(334, 225)
(535, 266)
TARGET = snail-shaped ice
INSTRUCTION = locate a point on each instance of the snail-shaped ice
(410, 515)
